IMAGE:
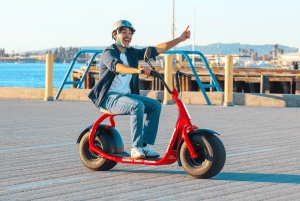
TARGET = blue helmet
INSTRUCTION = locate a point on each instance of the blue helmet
(121, 23)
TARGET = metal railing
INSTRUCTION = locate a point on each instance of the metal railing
(79, 83)
(200, 84)
(184, 53)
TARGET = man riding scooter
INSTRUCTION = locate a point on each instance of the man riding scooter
(118, 88)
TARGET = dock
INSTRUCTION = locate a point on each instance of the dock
(245, 80)
(39, 155)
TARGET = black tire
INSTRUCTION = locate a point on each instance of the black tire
(92, 160)
(211, 156)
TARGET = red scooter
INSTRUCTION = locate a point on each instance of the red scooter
(199, 151)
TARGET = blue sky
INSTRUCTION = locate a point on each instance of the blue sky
(43, 24)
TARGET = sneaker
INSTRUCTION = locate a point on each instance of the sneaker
(149, 152)
(137, 152)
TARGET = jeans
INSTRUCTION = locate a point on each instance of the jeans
(142, 131)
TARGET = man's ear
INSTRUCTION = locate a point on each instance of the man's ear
(115, 35)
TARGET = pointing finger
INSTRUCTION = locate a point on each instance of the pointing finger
(187, 28)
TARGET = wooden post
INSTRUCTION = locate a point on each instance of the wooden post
(263, 80)
(140, 66)
(228, 86)
(49, 78)
(88, 80)
(178, 58)
(297, 90)
(184, 64)
(168, 79)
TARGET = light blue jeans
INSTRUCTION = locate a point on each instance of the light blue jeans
(142, 131)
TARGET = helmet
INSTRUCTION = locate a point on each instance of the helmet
(121, 23)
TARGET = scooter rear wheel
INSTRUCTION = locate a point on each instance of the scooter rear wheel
(92, 160)
(211, 156)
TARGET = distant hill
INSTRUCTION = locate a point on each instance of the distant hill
(229, 48)
(233, 48)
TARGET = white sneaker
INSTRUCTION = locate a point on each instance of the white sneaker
(149, 152)
(137, 152)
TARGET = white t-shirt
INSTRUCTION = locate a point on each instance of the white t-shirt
(121, 81)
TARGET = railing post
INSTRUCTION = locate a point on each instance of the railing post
(228, 88)
(168, 79)
(49, 78)
(263, 80)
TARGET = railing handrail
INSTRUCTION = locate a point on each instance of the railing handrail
(183, 52)
(202, 87)
(95, 51)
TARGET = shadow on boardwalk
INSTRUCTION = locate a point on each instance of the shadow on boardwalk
(231, 176)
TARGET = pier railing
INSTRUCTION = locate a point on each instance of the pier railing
(202, 86)
(78, 83)
(186, 54)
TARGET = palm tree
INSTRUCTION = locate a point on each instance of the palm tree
(271, 54)
(280, 51)
(251, 51)
(244, 51)
(255, 55)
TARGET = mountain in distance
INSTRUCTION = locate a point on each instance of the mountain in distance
(224, 48)
(233, 48)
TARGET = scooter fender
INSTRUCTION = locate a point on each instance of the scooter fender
(113, 137)
(202, 131)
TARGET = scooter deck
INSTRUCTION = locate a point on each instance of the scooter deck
(127, 155)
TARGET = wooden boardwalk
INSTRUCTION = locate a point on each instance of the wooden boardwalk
(245, 80)
(39, 159)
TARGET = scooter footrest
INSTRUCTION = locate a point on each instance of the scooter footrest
(127, 155)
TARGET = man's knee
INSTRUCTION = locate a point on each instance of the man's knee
(139, 106)
(157, 105)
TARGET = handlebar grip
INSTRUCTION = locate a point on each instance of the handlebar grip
(183, 74)
(142, 72)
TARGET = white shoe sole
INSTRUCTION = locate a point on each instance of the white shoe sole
(137, 157)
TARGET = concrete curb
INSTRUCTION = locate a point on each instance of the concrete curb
(188, 97)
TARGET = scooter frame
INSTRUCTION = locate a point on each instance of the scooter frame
(182, 128)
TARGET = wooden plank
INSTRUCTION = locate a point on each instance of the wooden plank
(297, 90)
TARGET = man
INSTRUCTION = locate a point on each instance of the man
(118, 88)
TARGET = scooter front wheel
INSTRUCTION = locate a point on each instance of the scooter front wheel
(92, 160)
(211, 156)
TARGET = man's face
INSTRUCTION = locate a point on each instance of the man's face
(125, 36)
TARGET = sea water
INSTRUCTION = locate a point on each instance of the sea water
(32, 75)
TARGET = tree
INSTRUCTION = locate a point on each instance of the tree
(280, 51)
(56, 56)
(271, 54)
(251, 51)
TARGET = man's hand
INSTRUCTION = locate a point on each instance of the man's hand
(168, 45)
(146, 70)
(185, 35)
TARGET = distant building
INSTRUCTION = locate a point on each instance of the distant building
(38, 57)
(290, 58)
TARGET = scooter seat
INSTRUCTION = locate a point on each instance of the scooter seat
(106, 111)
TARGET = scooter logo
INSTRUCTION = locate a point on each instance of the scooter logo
(127, 160)
(138, 161)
